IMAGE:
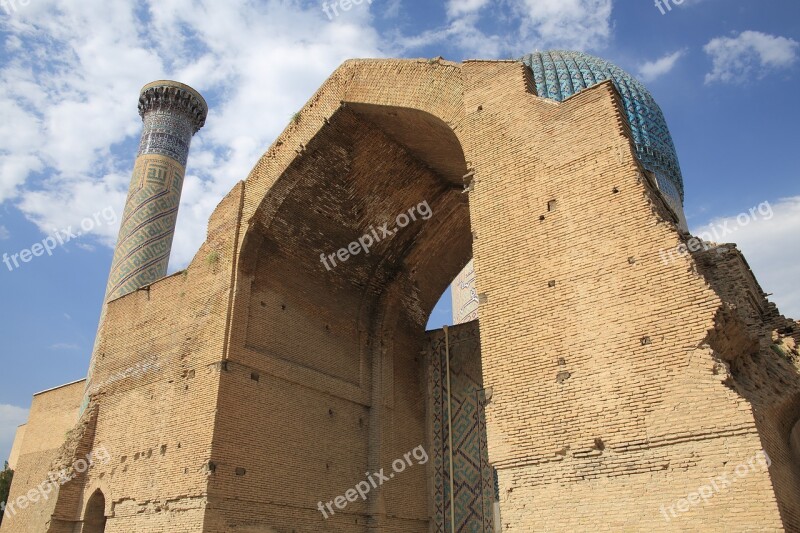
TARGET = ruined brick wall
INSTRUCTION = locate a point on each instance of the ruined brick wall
(758, 358)
(608, 409)
(606, 401)
(154, 394)
(52, 416)
(13, 456)
(157, 375)
(620, 384)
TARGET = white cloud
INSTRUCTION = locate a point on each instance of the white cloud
(541, 24)
(652, 70)
(769, 243)
(751, 53)
(4, 233)
(11, 417)
(456, 8)
(579, 24)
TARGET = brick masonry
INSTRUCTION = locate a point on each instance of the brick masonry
(241, 393)
(14, 455)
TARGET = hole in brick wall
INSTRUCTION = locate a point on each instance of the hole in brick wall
(190, 374)
(327, 328)
(163, 449)
(563, 376)
(615, 190)
(646, 340)
(462, 288)
(551, 205)
(330, 412)
(480, 108)
(240, 471)
(185, 470)
(149, 454)
(551, 283)
(123, 458)
(631, 260)
(179, 445)
(263, 304)
(599, 444)
(562, 361)
(541, 217)
(136, 456)
(283, 307)
(211, 466)
(254, 376)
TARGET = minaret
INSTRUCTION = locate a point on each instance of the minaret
(172, 113)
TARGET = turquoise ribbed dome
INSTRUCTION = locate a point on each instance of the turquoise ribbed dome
(559, 74)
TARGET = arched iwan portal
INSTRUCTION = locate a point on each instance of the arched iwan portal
(339, 273)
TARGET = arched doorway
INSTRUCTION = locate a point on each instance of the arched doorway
(94, 519)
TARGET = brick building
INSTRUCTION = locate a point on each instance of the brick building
(266, 387)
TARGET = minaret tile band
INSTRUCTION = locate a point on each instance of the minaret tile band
(172, 113)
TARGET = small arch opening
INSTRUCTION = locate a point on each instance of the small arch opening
(94, 520)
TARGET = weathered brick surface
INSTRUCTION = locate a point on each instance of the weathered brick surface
(620, 384)
(52, 415)
(13, 456)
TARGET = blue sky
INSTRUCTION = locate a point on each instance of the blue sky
(724, 71)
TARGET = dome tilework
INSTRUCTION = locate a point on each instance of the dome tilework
(559, 74)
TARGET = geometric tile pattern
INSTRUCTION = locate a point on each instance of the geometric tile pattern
(172, 113)
(473, 479)
(148, 223)
(167, 135)
(559, 74)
